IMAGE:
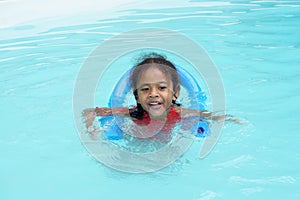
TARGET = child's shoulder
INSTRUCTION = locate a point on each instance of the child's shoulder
(177, 109)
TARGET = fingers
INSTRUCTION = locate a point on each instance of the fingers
(89, 121)
(235, 120)
(230, 118)
(89, 116)
(93, 132)
(88, 111)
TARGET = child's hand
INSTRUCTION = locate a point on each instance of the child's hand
(235, 120)
(227, 118)
(89, 115)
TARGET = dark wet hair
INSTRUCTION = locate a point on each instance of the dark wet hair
(161, 63)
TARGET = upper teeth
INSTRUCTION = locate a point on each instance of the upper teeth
(154, 103)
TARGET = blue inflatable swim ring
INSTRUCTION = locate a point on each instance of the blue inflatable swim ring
(122, 88)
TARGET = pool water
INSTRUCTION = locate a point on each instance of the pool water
(255, 46)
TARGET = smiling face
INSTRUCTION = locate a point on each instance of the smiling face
(155, 92)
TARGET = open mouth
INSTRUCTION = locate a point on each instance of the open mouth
(155, 104)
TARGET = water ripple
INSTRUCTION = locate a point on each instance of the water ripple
(235, 163)
(263, 181)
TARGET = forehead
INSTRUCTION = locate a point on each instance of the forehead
(153, 74)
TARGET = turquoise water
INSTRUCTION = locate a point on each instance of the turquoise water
(254, 44)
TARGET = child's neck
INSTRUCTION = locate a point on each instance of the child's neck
(161, 120)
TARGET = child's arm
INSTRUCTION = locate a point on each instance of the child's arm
(90, 113)
(208, 115)
(196, 113)
(112, 111)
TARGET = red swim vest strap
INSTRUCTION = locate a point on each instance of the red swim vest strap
(172, 118)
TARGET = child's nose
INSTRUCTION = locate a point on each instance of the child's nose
(153, 93)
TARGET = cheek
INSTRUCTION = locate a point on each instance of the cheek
(140, 98)
(170, 95)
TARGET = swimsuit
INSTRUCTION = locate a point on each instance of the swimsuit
(154, 129)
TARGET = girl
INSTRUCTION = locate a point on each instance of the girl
(156, 86)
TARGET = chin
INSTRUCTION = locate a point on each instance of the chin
(158, 115)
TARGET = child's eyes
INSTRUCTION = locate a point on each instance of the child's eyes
(145, 89)
(162, 87)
